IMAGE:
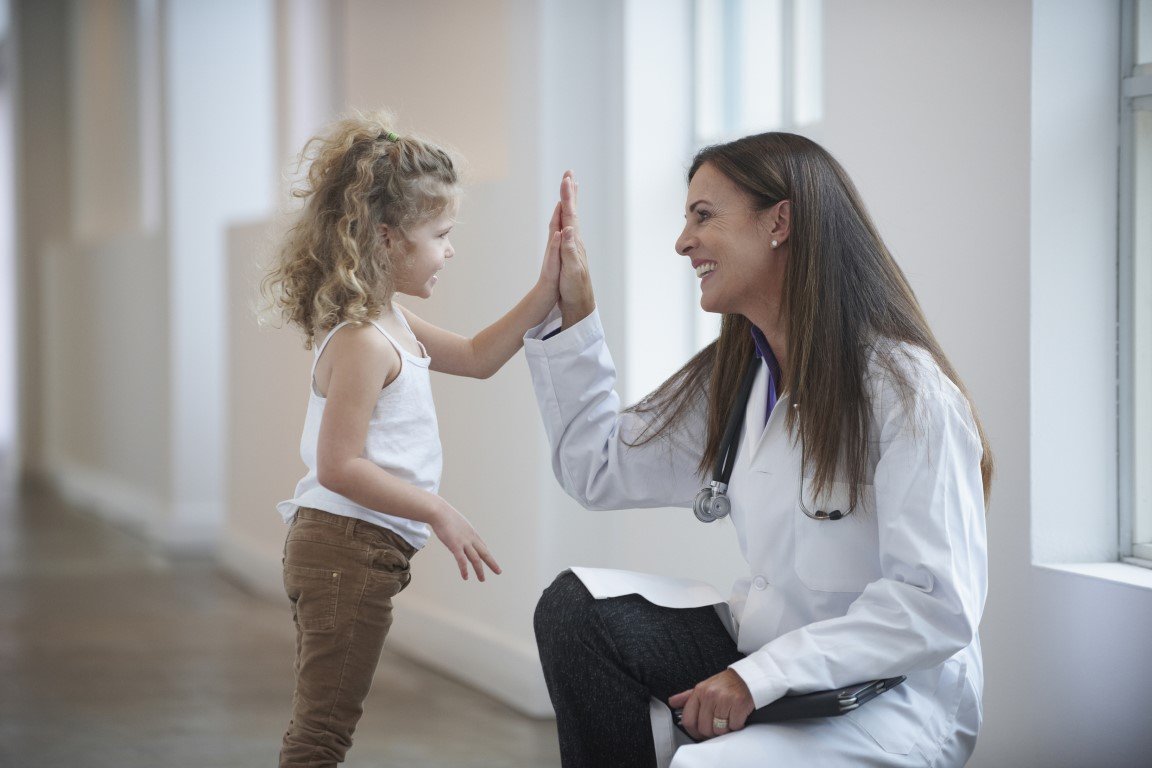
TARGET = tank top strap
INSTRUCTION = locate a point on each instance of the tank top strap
(320, 350)
(399, 347)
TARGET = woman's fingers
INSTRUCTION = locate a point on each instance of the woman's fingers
(689, 717)
(737, 720)
(719, 705)
(568, 200)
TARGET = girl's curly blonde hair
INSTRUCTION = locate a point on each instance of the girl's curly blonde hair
(361, 174)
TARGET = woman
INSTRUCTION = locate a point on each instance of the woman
(857, 492)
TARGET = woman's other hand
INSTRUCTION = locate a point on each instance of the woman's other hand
(722, 699)
(576, 297)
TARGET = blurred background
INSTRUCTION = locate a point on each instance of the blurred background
(149, 424)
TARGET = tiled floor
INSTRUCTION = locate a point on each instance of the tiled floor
(111, 655)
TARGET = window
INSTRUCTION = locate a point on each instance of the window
(1135, 283)
(757, 68)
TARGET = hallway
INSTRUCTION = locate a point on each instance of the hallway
(111, 655)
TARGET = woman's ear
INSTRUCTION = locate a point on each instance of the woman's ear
(780, 222)
(385, 235)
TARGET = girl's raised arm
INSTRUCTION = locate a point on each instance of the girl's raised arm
(487, 351)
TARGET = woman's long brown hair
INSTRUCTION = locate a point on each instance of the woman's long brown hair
(842, 292)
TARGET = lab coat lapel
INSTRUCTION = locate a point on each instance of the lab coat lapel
(754, 427)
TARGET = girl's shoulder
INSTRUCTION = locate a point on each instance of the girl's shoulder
(360, 348)
(362, 337)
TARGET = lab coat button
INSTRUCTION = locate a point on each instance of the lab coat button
(760, 583)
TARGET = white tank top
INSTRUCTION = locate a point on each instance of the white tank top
(403, 439)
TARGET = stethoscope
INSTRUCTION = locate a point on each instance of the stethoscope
(712, 503)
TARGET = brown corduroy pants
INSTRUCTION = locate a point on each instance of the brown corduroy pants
(341, 575)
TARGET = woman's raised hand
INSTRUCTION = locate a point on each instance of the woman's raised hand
(576, 297)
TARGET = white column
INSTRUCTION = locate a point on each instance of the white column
(220, 146)
(8, 366)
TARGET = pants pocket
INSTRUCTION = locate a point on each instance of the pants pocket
(390, 571)
(314, 593)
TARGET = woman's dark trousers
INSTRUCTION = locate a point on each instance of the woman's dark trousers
(604, 659)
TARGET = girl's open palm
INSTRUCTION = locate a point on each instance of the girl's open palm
(462, 540)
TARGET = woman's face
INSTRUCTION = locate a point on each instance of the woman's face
(729, 244)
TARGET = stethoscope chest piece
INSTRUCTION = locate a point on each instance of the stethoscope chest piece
(711, 504)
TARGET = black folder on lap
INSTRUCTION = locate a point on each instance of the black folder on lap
(818, 704)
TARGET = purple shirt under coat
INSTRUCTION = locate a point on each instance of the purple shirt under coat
(764, 351)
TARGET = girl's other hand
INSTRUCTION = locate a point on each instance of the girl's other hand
(462, 540)
(577, 300)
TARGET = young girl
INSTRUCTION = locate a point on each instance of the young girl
(379, 208)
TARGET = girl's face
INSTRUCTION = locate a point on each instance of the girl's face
(423, 254)
(729, 244)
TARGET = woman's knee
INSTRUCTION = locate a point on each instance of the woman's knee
(563, 610)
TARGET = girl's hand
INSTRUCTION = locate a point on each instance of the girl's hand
(723, 696)
(461, 539)
(576, 297)
(550, 269)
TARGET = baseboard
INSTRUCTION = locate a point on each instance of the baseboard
(472, 654)
(120, 503)
(254, 570)
(126, 506)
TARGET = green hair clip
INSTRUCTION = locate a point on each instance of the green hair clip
(390, 136)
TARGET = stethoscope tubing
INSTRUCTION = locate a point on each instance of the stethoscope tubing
(726, 458)
(711, 503)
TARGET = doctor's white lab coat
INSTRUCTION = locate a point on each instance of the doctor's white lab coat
(895, 588)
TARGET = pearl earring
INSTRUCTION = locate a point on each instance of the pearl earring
(775, 243)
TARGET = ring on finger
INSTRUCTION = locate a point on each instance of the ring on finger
(719, 723)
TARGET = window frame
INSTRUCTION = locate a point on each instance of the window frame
(1135, 96)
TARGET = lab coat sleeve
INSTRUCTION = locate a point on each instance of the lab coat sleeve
(574, 379)
(927, 604)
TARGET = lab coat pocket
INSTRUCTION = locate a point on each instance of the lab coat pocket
(836, 555)
(920, 712)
